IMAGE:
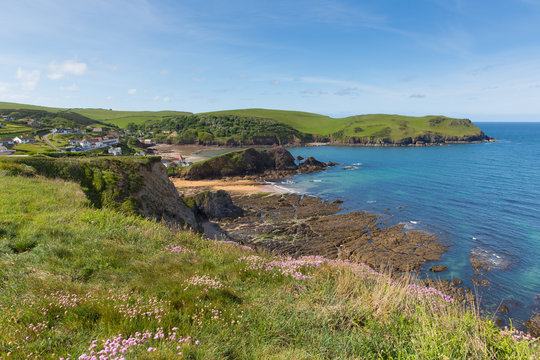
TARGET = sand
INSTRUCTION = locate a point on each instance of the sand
(240, 186)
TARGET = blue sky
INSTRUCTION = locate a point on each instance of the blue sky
(476, 59)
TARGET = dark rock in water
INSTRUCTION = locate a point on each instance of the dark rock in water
(438, 268)
(534, 325)
(458, 281)
(283, 160)
(299, 158)
(387, 209)
(311, 165)
(337, 201)
(217, 205)
(331, 163)
(504, 309)
(348, 168)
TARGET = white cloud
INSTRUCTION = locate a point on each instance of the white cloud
(28, 79)
(109, 97)
(156, 98)
(72, 87)
(68, 67)
(166, 99)
(197, 80)
(132, 91)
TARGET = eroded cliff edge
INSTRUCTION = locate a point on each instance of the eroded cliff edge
(134, 185)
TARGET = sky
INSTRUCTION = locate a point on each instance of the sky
(475, 59)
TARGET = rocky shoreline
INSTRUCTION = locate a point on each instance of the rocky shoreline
(300, 225)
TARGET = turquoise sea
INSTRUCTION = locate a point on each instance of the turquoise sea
(479, 198)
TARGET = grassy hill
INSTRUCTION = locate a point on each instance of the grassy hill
(394, 127)
(123, 118)
(78, 280)
(113, 117)
(363, 129)
(308, 123)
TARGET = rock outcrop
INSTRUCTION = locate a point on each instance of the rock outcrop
(216, 205)
(311, 165)
(275, 162)
(159, 199)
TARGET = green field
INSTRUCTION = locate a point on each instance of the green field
(12, 130)
(123, 118)
(73, 277)
(34, 148)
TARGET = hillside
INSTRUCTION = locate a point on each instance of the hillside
(295, 126)
(79, 282)
(112, 117)
(373, 128)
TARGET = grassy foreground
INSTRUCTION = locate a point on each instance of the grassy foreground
(78, 282)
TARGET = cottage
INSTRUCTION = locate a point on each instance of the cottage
(3, 149)
(109, 141)
(97, 130)
(6, 141)
(115, 151)
(148, 142)
(24, 140)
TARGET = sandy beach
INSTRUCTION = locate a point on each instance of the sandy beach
(188, 152)
(233, 186)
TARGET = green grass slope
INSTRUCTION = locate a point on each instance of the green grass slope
(113, 117)
(303, 121)
(123, 118)
(9, 105)
(394, 127)
(77, 280)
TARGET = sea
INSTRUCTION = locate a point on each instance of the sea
(481, 199)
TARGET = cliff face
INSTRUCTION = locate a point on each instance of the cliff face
(159, 199)
(128, 184)
(425, 139)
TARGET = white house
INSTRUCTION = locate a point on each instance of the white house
(109, 141)
(115, 151)
(24, 139)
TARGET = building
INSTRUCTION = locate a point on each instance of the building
(115, 151)
(99, 142)
(6, 141)
(24, 140)
(1, 125)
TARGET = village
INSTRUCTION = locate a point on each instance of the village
(20, 138)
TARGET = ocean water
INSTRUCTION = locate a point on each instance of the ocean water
(479, 198)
